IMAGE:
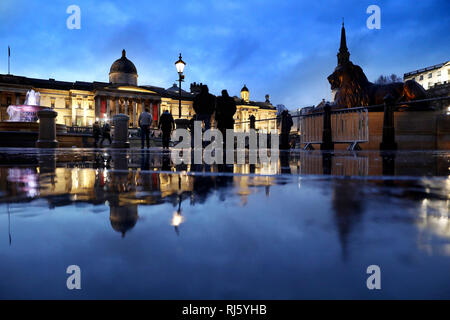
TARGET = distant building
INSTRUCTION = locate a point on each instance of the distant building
(436, 81)
(81, 103)
(430, 76)
(261, 110)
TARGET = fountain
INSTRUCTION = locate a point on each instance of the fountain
(21, 130)
(28, 111)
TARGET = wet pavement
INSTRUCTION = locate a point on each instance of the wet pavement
(305, 226)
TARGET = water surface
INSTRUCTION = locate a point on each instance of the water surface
(306, 226)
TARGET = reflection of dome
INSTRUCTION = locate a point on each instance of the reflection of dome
(123, 218)
(123, 71)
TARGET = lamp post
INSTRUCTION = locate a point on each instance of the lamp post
(180, 64)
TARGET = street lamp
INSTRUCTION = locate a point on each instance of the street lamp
(180, 64)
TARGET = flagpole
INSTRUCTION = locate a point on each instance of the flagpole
(9, 58)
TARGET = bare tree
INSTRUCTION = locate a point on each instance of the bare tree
(385, 80)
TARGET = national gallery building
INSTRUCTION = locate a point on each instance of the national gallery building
(81, 103)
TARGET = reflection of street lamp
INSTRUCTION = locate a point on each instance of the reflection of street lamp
(180, 64)
(177, 218)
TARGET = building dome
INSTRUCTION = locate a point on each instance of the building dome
(245, 94)
(123, 71)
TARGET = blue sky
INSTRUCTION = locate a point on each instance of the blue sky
(283, 48)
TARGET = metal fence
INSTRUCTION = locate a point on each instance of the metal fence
(81, 130)
(350, 125)
(347, 126)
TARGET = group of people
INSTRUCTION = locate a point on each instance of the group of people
(104, 132)
(205, 105)
(166, 124)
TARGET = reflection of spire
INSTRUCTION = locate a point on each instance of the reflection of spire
(348, 207)
(343, 54)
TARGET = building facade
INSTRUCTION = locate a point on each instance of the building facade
(261, 110)
(430, 76)
(82, 103)
(436, 81)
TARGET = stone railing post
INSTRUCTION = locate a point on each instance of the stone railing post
(47, 129)
(388, 140)
(120, 139)
(327, 139)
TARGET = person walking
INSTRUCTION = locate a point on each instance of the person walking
(204, 106)
(145, 121)
(96, 132)
(166, 124)
(225, 110)
(106, 133)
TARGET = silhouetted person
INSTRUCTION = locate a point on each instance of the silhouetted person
(252, 121)
(145, 121)
(96, 132)
(286, 125)
(204, 106)
(166, 124)
(225, 110)
(106, 133)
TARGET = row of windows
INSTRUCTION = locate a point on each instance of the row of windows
(430, 75)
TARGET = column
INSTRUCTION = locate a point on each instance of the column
(74, 111)
(126, 107)
(97, 108)
(85, 107)
(117, 106)
(134, 104)
(108, 108)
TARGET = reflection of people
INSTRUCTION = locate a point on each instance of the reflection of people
(96, 132)
(106, 133)
(204, 106)
(145, 121)
(286, 125)
(166, 124)
(225, 110)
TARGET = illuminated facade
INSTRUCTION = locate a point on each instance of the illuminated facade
(430, 76)
(261, 110)
(82, 103)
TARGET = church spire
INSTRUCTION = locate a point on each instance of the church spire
(343, 54)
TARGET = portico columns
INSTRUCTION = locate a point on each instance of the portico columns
(126, 107)
(97, 101)
(108, 108)
(117, 106)
(74, 111)
(134, 104)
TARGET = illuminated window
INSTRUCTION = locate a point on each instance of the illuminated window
(52, 103)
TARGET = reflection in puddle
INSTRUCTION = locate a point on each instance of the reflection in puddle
(308, 211)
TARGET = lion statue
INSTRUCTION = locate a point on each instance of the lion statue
(354, 90)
